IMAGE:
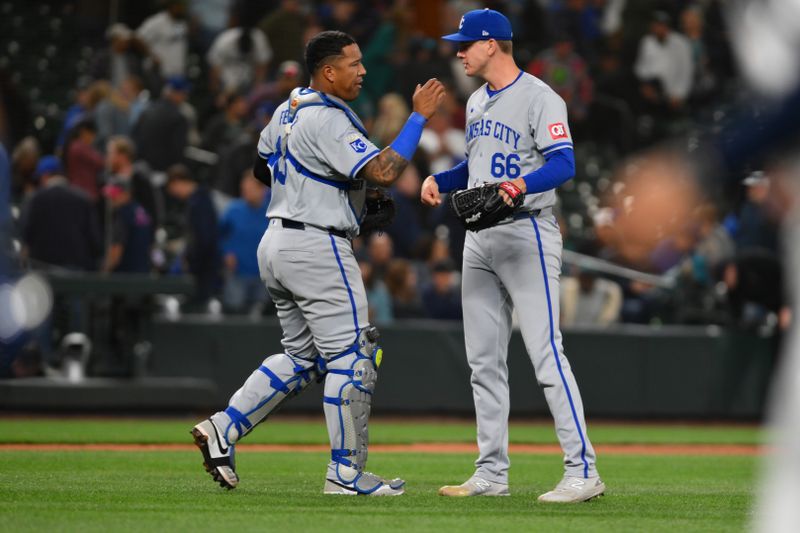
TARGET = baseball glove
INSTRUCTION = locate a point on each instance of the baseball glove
(483, 207)
(379, 210)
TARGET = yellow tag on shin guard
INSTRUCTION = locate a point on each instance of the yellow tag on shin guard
(378, 357)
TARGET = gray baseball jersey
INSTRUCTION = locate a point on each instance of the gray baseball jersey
(518, 265)
(315, 147)
(510, 131)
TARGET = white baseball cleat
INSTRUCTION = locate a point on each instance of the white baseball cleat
(361, 484)
(574, 490)
(475, 486)
(217, 453)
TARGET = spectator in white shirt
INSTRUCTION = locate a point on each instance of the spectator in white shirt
(664, 66)
(238, 57)
(588, 300)
(166, 36)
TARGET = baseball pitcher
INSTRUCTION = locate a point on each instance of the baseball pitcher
(519, 149)
(316, 156)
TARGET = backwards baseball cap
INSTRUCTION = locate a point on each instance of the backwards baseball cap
(178, 83)
(48, 164)
(480, 25)
(756, 178)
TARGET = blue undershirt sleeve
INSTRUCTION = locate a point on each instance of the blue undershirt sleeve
(407, 140)
(558, 168)
(453, 179)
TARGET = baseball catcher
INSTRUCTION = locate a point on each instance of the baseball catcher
(485, 206)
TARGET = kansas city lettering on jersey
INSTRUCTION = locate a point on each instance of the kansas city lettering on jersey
(487, 127)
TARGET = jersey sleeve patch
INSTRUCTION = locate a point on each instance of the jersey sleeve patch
(557, 131)
(357, 144)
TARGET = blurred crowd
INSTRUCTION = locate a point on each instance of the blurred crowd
(147, 168)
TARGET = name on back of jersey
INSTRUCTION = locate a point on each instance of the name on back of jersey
(487, 127)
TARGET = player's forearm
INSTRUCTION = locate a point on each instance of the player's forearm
(113, 258)
(453, 179)
(559, 168)
(385, 168)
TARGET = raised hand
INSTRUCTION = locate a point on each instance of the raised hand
(427, 97)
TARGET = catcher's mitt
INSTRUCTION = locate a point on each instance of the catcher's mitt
(483, 207)
(378, 210)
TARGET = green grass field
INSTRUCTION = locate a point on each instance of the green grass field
(169, 491)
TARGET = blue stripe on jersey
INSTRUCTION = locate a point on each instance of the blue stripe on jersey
(346, 284)
(555, 146)
(555, 351)
(363, 161)
(492, 93)
(298, 166)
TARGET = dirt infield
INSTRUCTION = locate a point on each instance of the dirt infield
(433, 448)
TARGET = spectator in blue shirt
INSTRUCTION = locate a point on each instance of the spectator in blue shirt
(241, 227)
(442, 298)
(131, 230)
(201, 232)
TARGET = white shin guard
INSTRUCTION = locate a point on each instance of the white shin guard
(281, 376)
(349, 384)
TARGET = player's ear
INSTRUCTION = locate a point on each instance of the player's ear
(329, 73)
(492, 48)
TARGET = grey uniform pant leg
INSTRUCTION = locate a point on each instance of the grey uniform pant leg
(305, 273)
(316, 285)
(504, 269)
(314, 280)
(487, 331)
(531, 267)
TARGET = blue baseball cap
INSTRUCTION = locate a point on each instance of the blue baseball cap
(48, 164)
(179, 83)
(480, 25)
